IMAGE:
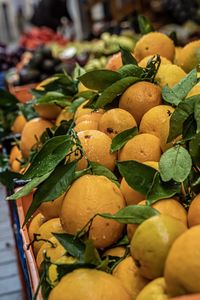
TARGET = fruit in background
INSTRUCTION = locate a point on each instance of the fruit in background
(155, 290)
(44, 232)
(96, 146)
(182, 266)
(115, 62)
(35, 224)
(89, 284)
(31, 134)
(169, 74)
(194, 212)
(142, 147)
(152, 43)
(116, 120)
(139, 98)
(144, 61)
(15, 158)
(53, 250)
(65, 115)
(48, 111)
(129, 276)
(152, 241)
(87, 196)
(190, 56)
(18, 124)
(51, 209)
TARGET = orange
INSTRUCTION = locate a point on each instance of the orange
(51, 209)
(116, 120)
(45, 232)
(14, 159)
(194, 212)
(144, 61)
(177, 58)
(18, 124)
(81, 110)
(129, 276)
(52, 248)
(116, 251)
(115, 62)
(65, 115)
(152, 122)
(154, 43)
(139, 98)
(91, 116)
(35, 224)
(89, 284)
(48, 111)
(142, 147)
(96, 145)
(194, 91)
(89, 195)
(31, 134)
(86, 125)
(170, 75)
(190, 56)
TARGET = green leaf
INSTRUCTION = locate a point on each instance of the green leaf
(175, 164)
(7, 178)
(7, 101)
(27, 110)
(153, 64)
(54, 98)
(25, 190)
(189, 128)
(138, 176)
(197, 114)
(91, 255)
(73, 245)
(78, 71)
(130, 70)
(169, 96)
(145, 25)
(75, 104)
(57, 183)
(132, 214)
(99, 79)
(115, 90)
(49, 156)
(122, 138)
(100, 170)
(182, 88)
(194, 149)
(181, 113)
(127, 57)
(161, 190)
(64, 127)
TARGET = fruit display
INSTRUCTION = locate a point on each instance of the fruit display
(111, 161)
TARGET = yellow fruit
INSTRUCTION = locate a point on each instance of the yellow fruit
(86, 125)
(142, 147)
(53, 249)
(18, 124)
(15, 158)
(177, 58)
(115, 121)
(92, 116)
(31, 133)
(190, 56)
(169, 74)
(183, 264)
(45, 232)
(96, 145)
(81, 110)
(170, 207)
(145, 60)
(35, 224)
(155, 290)
(89, 195)
(115, 62)
(65, 115)
(51, 209)
(47, 111)
(154, 43)
(131, 196)
(152, 122)
(194, 212)
(139, 98)
(89, 284)
(116, 251)
(129, 276)
(194, 91)
(151, 243)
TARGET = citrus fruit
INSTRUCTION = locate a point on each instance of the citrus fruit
(15, 158)
(139, 98)
(47, 111)
(131, 195)
(86, 125)
(91, 116)
(35, 224)
(51, 209)
(88, 196)
(190, 56)
(152, 241)
(116, 120)
(194, 212)
(65, 115)
(155, 290)
(116, 251)
(170, 75)
(144, 61)
(154, 43)
(89, 284)
(18, 124)
(194, 91)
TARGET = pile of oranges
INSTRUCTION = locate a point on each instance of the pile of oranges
(161, 256)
